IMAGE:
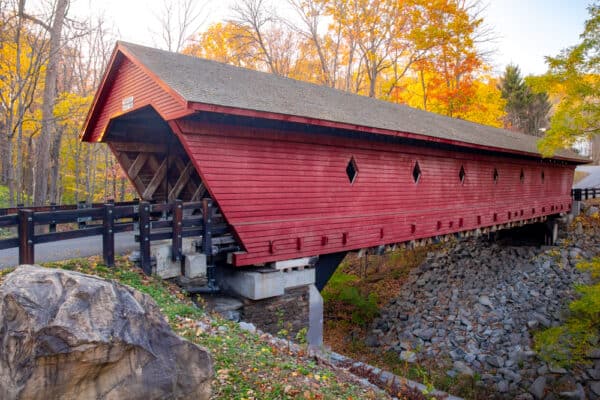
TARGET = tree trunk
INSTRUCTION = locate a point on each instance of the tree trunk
(55, 168)
(40, 186)
(77, 171)
(11, 174)
(19, 176)
(4, 164)
(596, 149)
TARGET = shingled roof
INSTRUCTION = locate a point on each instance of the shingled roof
(208, 82)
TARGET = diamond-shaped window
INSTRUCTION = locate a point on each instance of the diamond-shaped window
(496, 175)
(462, 174)
(522, 176)
(416, 173)
(351, 170)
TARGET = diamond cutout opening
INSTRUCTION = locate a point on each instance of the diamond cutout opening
(462, 174)
(495, 175)
(522, 176)
(351, 170)
(416, 173)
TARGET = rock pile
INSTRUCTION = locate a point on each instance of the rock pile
(474, 305)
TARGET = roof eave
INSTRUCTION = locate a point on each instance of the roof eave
(196, 106)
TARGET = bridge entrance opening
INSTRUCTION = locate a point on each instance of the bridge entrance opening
(153, 158)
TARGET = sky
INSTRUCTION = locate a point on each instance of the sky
(525, 30)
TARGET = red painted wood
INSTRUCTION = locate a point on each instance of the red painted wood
(129, 79)
(212, 108)
(286, 194)
(277, 189)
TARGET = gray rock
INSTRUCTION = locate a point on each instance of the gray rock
(408, 356)
(372, 341)
(524, 396)
(495, 361)
(246, 326)
(595, 388)
(425, 334)
(69, 335)
(538, 388)
(533, 324)
(485, 300)
(502, 386)
(557, 370)
(577, 394)
(462, 368)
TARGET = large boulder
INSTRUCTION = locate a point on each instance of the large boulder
(67, 335)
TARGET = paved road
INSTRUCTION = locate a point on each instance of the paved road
(590, 181)
(74, 248)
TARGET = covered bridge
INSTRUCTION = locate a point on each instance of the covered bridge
(298, 169)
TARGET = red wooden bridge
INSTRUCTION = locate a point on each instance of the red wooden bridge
(300, 170)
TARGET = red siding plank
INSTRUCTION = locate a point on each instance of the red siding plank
(275, 187)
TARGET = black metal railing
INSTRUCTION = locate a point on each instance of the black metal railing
(585, 194)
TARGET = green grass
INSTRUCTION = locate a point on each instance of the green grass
(246, 365)
(340, 290)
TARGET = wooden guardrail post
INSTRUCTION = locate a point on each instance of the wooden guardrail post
(144, 221)
(52, 225)
(108, 235)
(176, 247)
(208, 215)
(26, 236)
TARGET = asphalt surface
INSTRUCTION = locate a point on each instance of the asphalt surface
(590, 181)
(67, 249)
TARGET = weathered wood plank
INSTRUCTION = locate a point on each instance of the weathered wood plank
(137, 165)
(126, 164)
(156, 181)
(182, 181)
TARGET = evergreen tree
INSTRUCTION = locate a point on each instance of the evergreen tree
(526, 111)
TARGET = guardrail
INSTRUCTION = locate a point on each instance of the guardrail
(154, 222)
(585, 194)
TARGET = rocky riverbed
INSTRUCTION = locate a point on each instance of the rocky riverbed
(472, 307)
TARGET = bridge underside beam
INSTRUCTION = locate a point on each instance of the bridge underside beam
(326, 266)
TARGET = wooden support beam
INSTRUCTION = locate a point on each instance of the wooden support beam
(156, 181)
(198, 193)
(126, 164)
(184, 177)
(197, 189)
(139, 147)
(135, 167)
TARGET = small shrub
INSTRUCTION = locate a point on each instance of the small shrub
(570, 343)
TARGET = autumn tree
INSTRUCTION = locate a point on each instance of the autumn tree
(23, 58)
(328, 47)
(260, 30)
(577, 70)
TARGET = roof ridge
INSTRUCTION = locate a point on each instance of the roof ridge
(204, 81)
